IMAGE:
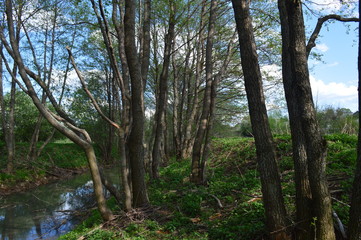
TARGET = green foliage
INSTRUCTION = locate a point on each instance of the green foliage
(246, 127)
(337, 120)
(26, 116)
(61, 155)
(191, 204)
(244, 222)
(64, 155)
(341, 153)
(102, 234)
(331, 120)
(193, 212)
(279, 125)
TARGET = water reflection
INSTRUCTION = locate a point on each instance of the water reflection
(45, 212)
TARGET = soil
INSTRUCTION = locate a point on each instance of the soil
(50, 176)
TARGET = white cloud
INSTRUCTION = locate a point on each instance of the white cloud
(273, 71)
(326, 5)
(347, 7)
(322, 47)
(334, 94)
(334, 64)
(343, 95)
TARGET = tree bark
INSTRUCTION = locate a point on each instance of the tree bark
(161, 105)
(197, 175)
(193, 103)
(145, 42)
(266, 158)
(315, 144)
(354, 226)
(303, 191)
(10, 126)
(136, 151)
(176, 110)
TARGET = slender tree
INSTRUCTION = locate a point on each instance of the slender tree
(136, 151)
(303, 191)
(298, 78)
(354, 226)
(161, 104)
(192, 85)
(197, 175)
(266, 158)
(60, 120)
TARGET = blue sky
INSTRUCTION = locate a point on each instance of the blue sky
(334, 81)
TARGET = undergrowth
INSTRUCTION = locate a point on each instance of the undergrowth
(55, 155)
(230, 205)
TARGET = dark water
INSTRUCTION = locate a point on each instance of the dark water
(47, 211)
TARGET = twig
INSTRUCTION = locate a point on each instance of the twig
(340, 225)
(218, 201)
(345, 204)
(82, 237)
(246, 194)
(41, 199)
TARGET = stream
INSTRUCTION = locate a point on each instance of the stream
(47, 211)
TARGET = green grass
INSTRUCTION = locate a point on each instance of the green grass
(193, 212)
(59, 154)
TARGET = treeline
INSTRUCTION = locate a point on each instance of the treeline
(153, 79)
(331, 120)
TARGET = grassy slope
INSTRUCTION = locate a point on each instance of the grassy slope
(182, 210)
(60, 155)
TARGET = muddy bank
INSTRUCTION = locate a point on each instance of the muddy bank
(55, 174)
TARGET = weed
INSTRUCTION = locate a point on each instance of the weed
(193, 212)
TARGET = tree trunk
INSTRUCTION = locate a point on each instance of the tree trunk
(10, 126)
(354, 226)
(125, 111)
(2, 102)
(176, 110)
(145, 42)
(97, 183)
(9, 130)
(198, 147)
(160, 120)
(303, 191)
(78, 136)
(136, 151)
(33, 153)
(267, 165)
(193, 103)
(125, 173)
(315, 144)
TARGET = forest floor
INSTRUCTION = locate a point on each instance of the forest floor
(58, 161)
(230, 205)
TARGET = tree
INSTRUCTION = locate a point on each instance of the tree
(198, 164)
(354, 226)
(266, 158)
(60, 119)
(301, 106)
(161, 104)
(302, 185)
(9, 119)
(136, 152)
(337, 120)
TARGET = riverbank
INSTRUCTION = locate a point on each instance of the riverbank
(230, 206)
(57, 161)
(47, 211)
(36, 180)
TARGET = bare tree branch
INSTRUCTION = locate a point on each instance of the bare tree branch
(312, 41)
(94, 102)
